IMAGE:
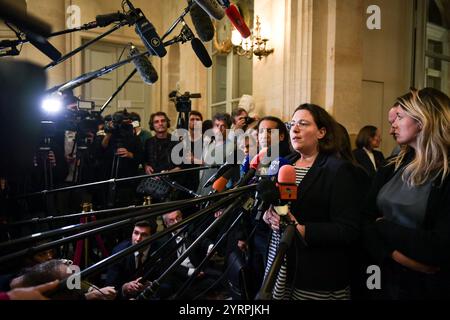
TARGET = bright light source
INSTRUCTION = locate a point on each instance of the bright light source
(52, 104)
(236, 38)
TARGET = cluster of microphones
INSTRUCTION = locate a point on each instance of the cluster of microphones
(201, 11)
(276, 181)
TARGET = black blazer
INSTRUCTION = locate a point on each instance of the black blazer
(363, 159)
(123, 271)
(328, 204)
(170, 255)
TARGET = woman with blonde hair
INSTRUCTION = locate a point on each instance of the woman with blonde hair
(409, 204)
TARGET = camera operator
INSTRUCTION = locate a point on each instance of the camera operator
(121, 147)
(122, 153)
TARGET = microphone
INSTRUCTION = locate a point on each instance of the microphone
(254, 164)
(104, 20)
(13, 14)
(287, 183)
(267, 194)
(212, 8)
(238, 22)
(221, 183)
(245, 166)
(147, 32)
(202, 23)
(144, 66)
(275, 167)
(223, 168)
(201, 52)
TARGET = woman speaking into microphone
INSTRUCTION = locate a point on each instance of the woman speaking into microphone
(325, 213)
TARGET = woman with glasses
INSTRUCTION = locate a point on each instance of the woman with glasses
(325, 214)
(409, 203)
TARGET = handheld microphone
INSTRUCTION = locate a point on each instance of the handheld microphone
(144, 66)
(201, 52)
(267, 194)
(238, 22)
(202, 23)
(212, 8)
(287, 183)
(220, 184)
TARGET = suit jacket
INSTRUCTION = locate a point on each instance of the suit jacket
(328, 204)
(170, 255)
(363, 159)
(123, 271)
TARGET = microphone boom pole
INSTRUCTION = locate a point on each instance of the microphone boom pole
(121, 254)
(96, 226)
(113, 181)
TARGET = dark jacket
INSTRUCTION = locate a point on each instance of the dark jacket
(429, 244)
(158, 152)
(363, 159)
(125, 270)
(196, 256)
(328, 204)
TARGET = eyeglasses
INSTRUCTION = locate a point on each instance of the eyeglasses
(300, 123)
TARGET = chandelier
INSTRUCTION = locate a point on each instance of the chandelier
(256, 44)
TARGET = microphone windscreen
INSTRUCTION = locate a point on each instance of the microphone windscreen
(201, 52)
(287, 183)
(238, 22)
(287, 175)
(212, 8)
(220, 184)
(202, 23)
(268, 191)
(145, 68)
(254, 164)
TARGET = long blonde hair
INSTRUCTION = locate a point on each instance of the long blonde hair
(431, 109)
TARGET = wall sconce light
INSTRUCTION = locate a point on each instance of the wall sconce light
(256, 44)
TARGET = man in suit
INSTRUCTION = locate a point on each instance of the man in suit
(204, 280)
(125, 275)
